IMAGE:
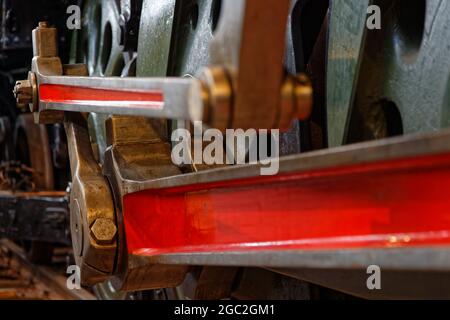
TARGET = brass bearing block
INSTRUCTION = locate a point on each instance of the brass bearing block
(216, 94)
(92, 212)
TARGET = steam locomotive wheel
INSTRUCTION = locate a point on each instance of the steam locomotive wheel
(32, 149)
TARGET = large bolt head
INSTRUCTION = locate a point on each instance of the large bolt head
(43, 24)
(103, 231)
(23, 91)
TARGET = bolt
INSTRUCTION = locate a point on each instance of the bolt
(43, 24)
(103, 231)
(23, 91)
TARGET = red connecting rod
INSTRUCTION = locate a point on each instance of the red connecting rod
(396, 203)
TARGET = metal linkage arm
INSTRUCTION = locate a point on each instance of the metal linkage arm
(149, 97)
(53, 88)
(219, 92)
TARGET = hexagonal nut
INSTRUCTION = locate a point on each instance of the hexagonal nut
(24, 99)
(103, 231)
(23, 91)
(43, 24)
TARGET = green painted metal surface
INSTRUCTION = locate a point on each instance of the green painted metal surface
(155, 37)
(98, 41)
(404, 79)
(174, 37)
(174, 40)
(347, 29)
(391, 81)
(98, 45)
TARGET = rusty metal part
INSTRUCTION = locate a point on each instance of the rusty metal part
(20, 279)
(90, 200)
(45, 62)
(79, 69)
(45, 51)
(23, 92)
(45, 41)
(138, 150)
(32, 145)
(35, 216)
(16, 176)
